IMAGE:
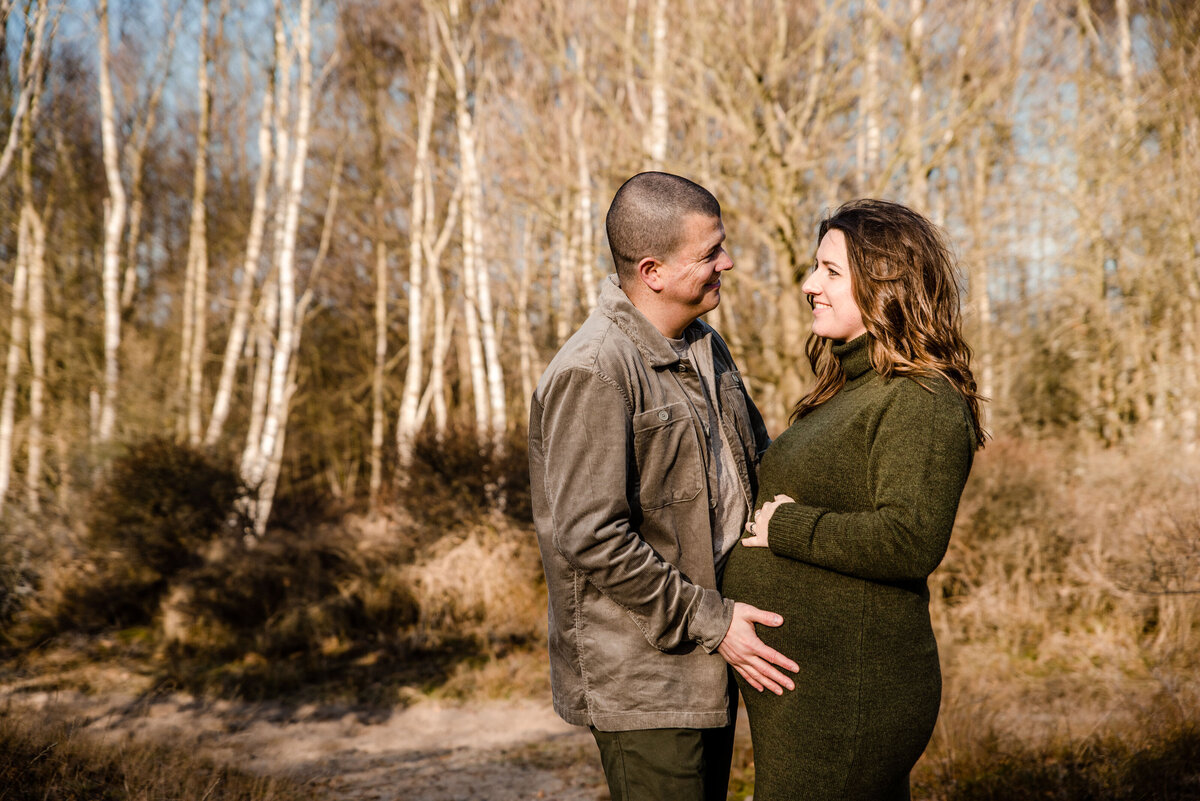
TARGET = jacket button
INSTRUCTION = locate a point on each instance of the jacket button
(737, 380)
(664, 415)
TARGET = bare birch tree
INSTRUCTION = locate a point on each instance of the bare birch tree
(239, 328)
(420, 219)
(114, 225)
(195, 294)
(16, 343)
(486, 371)
(262, 468)
(28, 289)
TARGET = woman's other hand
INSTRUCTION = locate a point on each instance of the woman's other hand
(757, 528)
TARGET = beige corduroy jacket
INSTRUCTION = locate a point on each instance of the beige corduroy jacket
(622, 507)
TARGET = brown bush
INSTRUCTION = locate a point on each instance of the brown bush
(455, 481)
(160, 506)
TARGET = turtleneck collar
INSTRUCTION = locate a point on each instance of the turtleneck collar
(855, 358)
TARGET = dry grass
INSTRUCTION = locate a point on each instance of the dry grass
(52, 758)
(1068, 618)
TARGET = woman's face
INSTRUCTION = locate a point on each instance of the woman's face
(835, 314)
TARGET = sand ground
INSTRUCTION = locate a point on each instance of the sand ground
(492, 750)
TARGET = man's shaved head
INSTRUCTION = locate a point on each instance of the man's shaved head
(646, 218)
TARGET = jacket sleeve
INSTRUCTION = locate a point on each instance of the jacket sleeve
(587, 431)
(917, 467)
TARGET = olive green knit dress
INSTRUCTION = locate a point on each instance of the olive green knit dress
(876, 473)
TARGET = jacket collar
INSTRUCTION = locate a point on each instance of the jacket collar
(654, 347)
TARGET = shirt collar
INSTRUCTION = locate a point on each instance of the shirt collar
(655, 348)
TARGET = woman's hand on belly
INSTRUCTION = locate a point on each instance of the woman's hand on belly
(758, 527)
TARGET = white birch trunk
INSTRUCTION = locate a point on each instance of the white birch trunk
(264, 325)
(114, 224)
(279, 396)
(16, 343)
(486, 376)
(33, 53)
(268, 314)
(980, 279)
(587, 246)
(631, 90)
(527, 351)
(236, 343)
(197, 258)
(1125, 69)
(568, 292)
(407, 423)
(443, 319)
(375, 482)
(918, 190)
(37, 352)
(656, 136)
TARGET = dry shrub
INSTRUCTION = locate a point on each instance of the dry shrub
(484, 583)
(265, 620)
(159, 508)
(1067, 606)
(457, 481)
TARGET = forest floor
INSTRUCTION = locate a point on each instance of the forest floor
(427, 750)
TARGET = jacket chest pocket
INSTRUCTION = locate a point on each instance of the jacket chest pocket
(669, 462)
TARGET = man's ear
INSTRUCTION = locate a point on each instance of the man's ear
(649, 270)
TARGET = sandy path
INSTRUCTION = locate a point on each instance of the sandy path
(430, 751)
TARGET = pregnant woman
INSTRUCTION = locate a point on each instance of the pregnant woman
(860, 496)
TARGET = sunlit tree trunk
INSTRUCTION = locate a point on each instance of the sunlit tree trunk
(16, 342)
(238, 329)
(37, 354)
(656, 135)
(268, 453)
(568, 290)
(527, 351)
(265, 320)
(375, 97)
(434, 396)
(585, 225)
(408, 422)
(114, 224)
(31, 67)
(918, 191)
(28, 301)
(486, 371)
(32, 241)
(1125, 69)
(195, 299)
(868, 138)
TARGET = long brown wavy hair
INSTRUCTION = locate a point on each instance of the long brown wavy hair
(905, 282)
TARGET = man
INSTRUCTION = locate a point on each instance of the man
(643, 447)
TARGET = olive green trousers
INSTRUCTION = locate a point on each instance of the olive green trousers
(666, 764)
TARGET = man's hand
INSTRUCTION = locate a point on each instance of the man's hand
(754, 660)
